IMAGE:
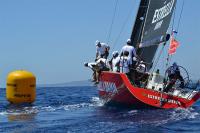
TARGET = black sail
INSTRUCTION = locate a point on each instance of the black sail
(139, 22)
(150, 27)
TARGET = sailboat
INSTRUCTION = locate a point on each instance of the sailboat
(149, 32)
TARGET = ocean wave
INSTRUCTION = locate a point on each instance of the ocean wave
(20, 111)
(160, 117)
(77, 106)
(97, 101)
(175, 115)
(179, 114)
(48, 109)
(133, 112)
(94, 102)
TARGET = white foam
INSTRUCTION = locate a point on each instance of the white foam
(133, 112)
(48, 108)
(76, 106)
(179, 114)
(19, 112)
(97, 101)
(3, 113)
(94, 102)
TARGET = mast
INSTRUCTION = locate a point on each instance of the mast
(150, 28)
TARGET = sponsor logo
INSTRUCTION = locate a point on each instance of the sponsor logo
(162, 99)
(108, 87)
(10, 84)
(22, 95)
(158, 25)
(163, 12)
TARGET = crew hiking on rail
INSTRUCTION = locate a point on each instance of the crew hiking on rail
(123, 62)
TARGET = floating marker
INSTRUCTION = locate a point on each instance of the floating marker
(21, 87)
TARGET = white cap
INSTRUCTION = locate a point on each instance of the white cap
(97, 42)
(128, 41)
(134, 58)
(115, 53)
(85, 64)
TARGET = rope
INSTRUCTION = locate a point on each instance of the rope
(123, 26)
(179, 21)
(158, 58)
(169, 57)
(112, 22)
(173, 21)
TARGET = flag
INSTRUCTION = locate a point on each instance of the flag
(172, 51)
(174, 44)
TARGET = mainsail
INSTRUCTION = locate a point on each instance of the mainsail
(150, 27)
(139, 22)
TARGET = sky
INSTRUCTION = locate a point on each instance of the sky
(53, 38)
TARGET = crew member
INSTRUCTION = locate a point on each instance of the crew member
(98, 66)
(131, 50)
(94, 67)
(125, 64)
(115, 61)
(102, 50)
(174, 74)
(141, 67)
(103, 64)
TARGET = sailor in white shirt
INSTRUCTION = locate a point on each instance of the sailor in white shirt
(131, 50)
(125, 63)
(90, 65)
(102, 50)
(103, 64)
(115, 61)
(98, 66)
(93, 66)
(100, 63)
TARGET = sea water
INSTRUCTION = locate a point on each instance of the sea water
(78, 109)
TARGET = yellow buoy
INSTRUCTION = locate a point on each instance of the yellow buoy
(20, 87)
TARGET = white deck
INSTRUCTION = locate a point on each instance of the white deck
(156, 83)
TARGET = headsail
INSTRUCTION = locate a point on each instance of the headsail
(157, 16)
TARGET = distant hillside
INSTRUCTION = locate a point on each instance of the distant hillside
(73, 83)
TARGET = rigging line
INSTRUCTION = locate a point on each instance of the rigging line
(169, 59)
(179, 21)
(173, 21)
(123, 26)
(139, 40)
(172, 30)
(112, 22)
(163, 60)
(166, 59)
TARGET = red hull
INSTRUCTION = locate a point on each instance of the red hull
(116, 87)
